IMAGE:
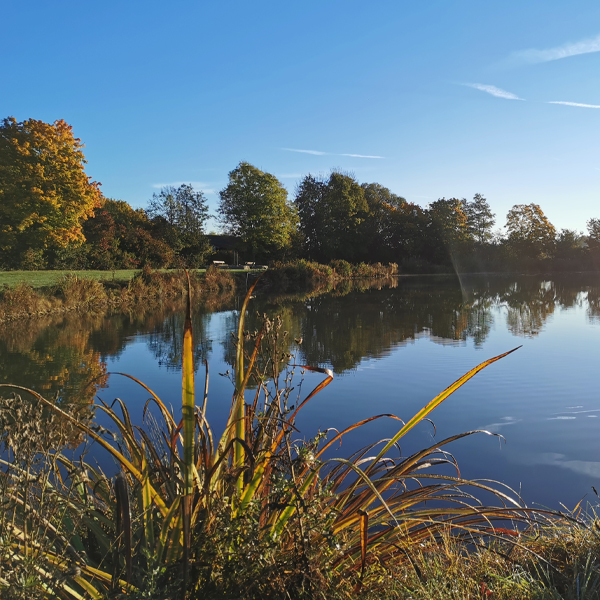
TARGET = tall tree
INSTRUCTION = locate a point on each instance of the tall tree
(45, 194)
(480, 218)
(331, 212)
(593, 240)
(447, 230)
(569, 244)
(593, 227)
(180, 215)
(119, 236)
(254, 207)
(310, 195)
(341, 216)
(529, 231)
(377, 237)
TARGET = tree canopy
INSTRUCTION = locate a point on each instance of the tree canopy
(529, 231)
(254, 207)
(45, 194)
(480, 218)
(179, 215)
(331, 212)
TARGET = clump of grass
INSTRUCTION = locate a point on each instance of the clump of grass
(559, 560)
(35, 522)
(303, 273)
(76, 292)
(342, 267)
(300, 274)
(23, 300)
(217, 280)
(72, 291)
(250, 512)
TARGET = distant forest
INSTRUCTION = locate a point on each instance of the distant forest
(52, 216)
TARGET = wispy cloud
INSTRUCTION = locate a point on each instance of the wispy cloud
(315, 152)
(534, 56)
(319, 153)
(361, 156)
(494, 91)
(197, 185)
(575, 104)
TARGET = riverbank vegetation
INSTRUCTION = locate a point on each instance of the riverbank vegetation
(72, 292)
(257, 512)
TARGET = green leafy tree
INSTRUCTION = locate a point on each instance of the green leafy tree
(593, 227)
(119, 236)
(593, 241)
(341, 215)
(569, 244)
(331, 212)
(530, 233)
(254, 207)
(310, 195)
(405, 232)
(480, 218)
(45, 194)
(180, 215)
(447, 229)
(377, 235)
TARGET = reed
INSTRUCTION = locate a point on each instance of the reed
(250, 512)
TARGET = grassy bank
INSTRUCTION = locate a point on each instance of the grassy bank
(46, 279)
(255, 512)
(49, 279)
(38, 293)
(72, 292)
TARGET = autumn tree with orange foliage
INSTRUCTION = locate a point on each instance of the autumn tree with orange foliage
(45, 194)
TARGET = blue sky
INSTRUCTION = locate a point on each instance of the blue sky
(431, 99)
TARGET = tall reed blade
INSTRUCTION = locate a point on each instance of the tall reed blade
(238, 411)
(436, 402)
(189, 426)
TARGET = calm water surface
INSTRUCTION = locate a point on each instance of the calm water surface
(392, 349)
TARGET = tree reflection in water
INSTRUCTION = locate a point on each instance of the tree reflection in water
(65, 357)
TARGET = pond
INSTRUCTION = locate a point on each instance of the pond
(392, 347)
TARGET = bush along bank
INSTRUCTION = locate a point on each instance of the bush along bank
(73, 293)
(302, 274)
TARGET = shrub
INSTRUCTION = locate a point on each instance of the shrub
(23, 300)
(342, 267)
(217, 279)
(80, 292)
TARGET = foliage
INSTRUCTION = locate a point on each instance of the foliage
(342, 267)
(45, 194)
(179, 215)
(254, 207)
(331, 212)
(120, 237)
(448, 228)
(380, 231)
(90, 291)
(593, 227)
(529, 231)
(480, 218)
(569, 245)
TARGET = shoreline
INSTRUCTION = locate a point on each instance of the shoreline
(72, 291)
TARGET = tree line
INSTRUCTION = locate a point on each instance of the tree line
(52, 215)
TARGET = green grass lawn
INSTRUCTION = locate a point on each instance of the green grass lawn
(41, 279)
